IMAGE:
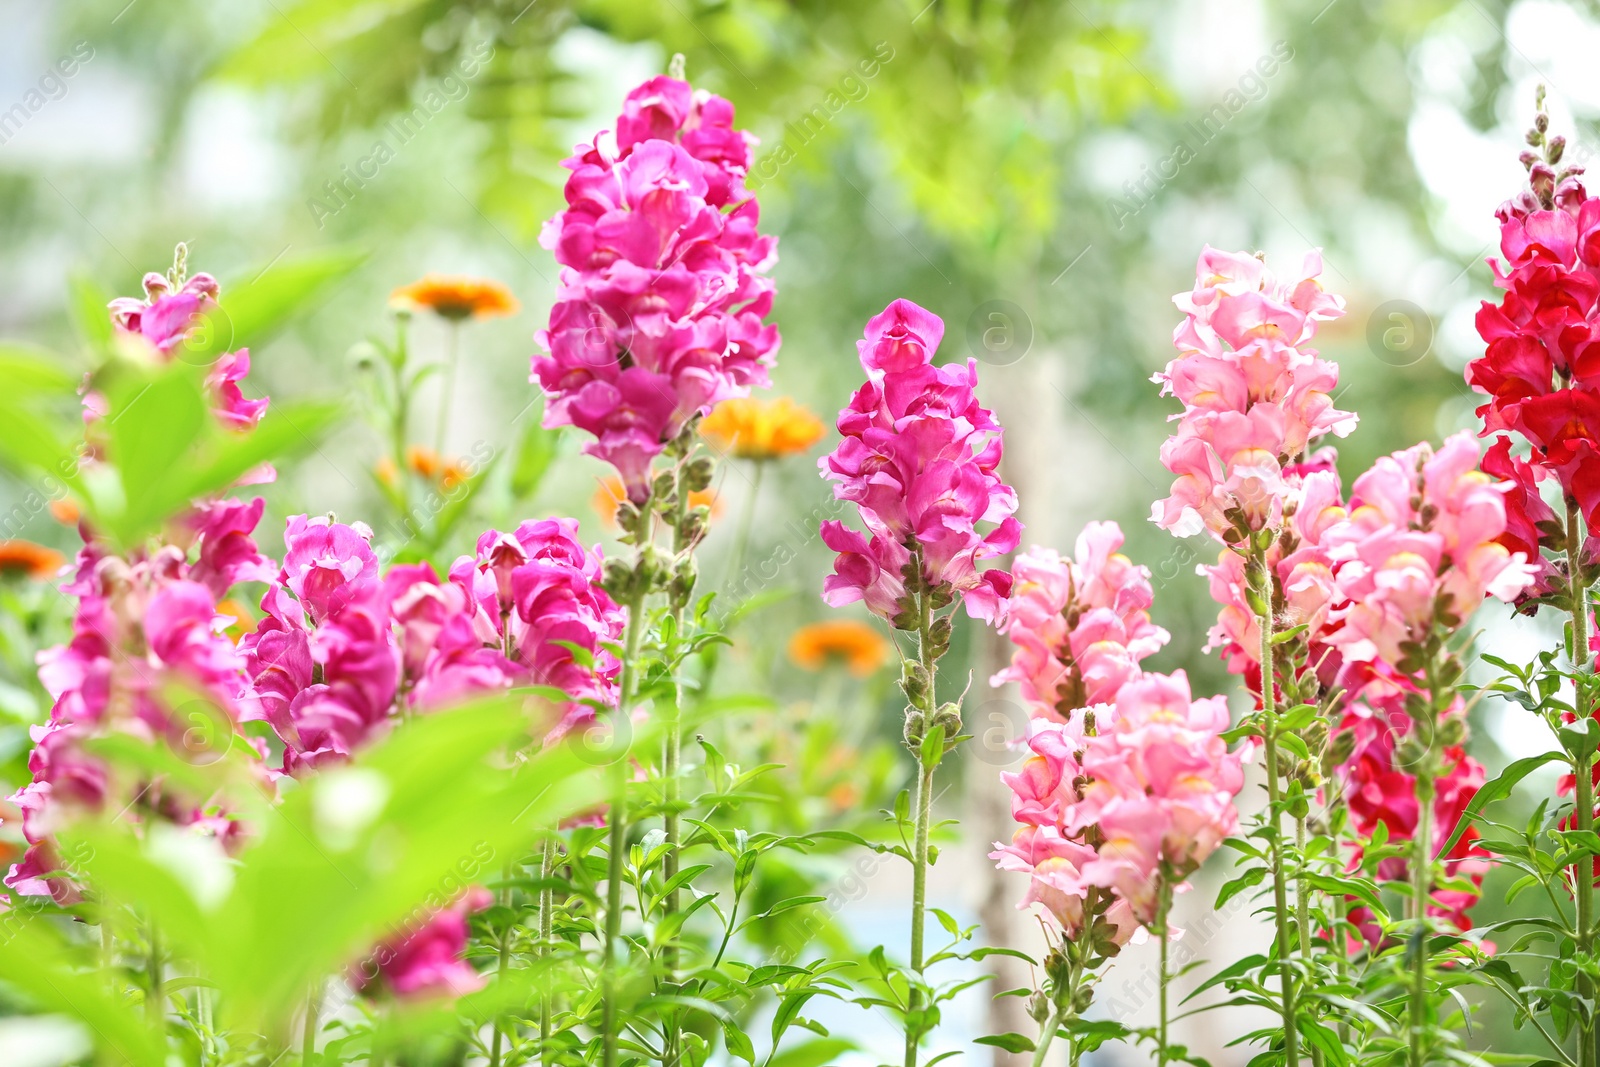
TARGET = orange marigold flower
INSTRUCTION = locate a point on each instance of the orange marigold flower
(387, 472)
(243, 622)
(424, 460)
(27, 558)
(752, 428)
(610, 496)
(855, 645)
(65, 511)
(456, 298)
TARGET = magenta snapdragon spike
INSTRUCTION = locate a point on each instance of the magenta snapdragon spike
(428, 961)
(506, 617)
(164, 320)
(918, 459)
(1080, 626)
(142, 623)
(664, 284)
(1252, 390)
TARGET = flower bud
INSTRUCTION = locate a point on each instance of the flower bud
(697, 474)
(916, 728)
(1452, 731)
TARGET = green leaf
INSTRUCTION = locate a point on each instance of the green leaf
(535, 453)
(738, 1041)
(818, 1053)
(1498, 789)
(250, 312)
(49, 973)
(1012, 1043)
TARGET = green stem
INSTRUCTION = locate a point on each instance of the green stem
(673, 1037)
(1583, 799)
(547, 900)
(741, 544)
(452, 357)
(617, 841)
(504, 959)
(1280, 895)
(1163, 935)
(155, 1006)
(919, 895)
(1302, 895)
(924, 810)
(1046, 1034)
(308, 1036)
(1421, 883)
(402, 417)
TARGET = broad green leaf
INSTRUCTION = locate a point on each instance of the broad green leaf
(1498, 789)
(55, 976)
(249, 312)
(535, 453)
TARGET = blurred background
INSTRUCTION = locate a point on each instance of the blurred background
(1042, 175)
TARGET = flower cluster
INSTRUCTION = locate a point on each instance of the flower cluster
(1142, 799)
(664, 285)
(146, 628)
(1254, 395)
(1541, 367)
(1081, 626)
(169, 316)
(1420, 548)
(342, 651)
(918, 460)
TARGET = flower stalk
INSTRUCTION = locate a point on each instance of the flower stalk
(1582, 764)
(617, 838)
(1269, 735)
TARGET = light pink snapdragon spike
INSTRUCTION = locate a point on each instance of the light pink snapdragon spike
(1254, 395)
(664, 282)
(918, 459)
(1421, 544)
(143, 625)
(165, 320)
(1080, 626)
(1149, 792)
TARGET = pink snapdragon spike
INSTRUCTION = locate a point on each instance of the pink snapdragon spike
(1422, 537)
(1080, 626)
(664, 281)
(165, 320)
(1252, 390)
(1139, 791)
(918, 459)
(142, 624)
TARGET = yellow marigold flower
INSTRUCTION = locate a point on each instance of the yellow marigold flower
(387, 472)
(855, 645)
(752, 428)
(455, 298)
(243, 622)
(611, 494)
